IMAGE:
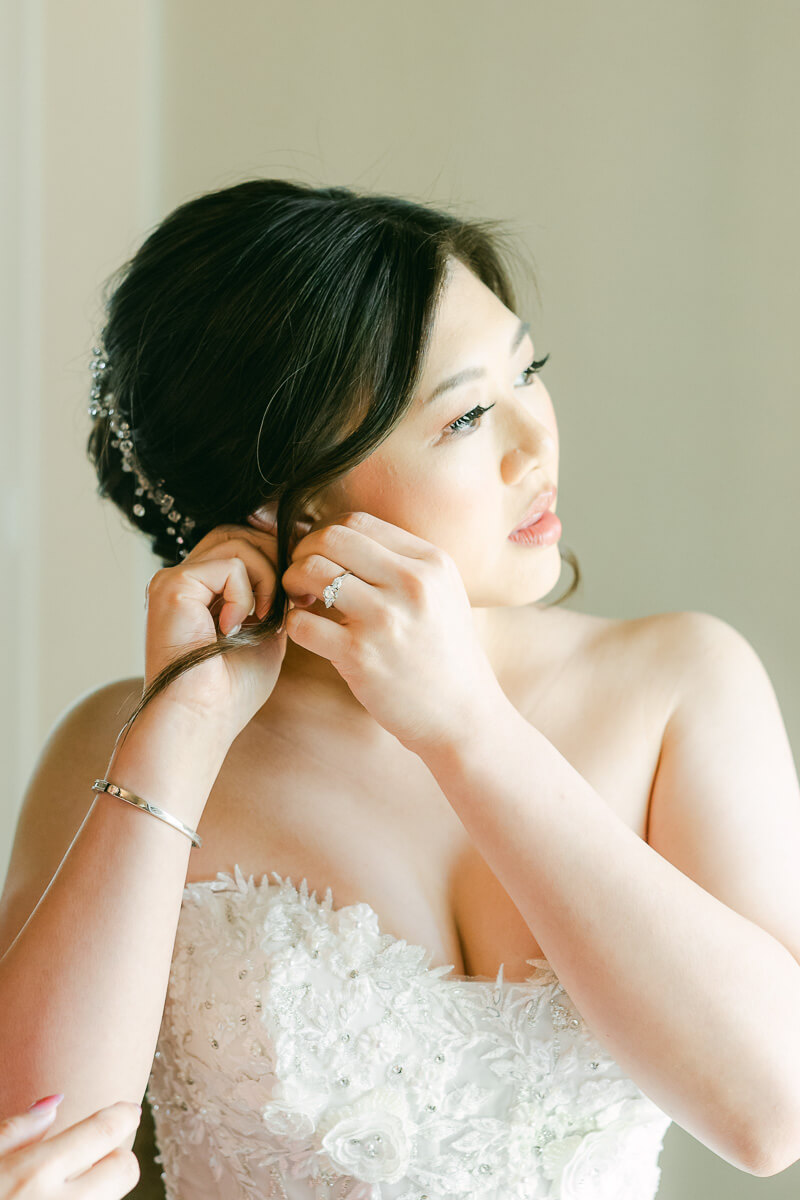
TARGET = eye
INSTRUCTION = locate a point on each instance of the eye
(467, 422)
(534, 369)
(474, 414)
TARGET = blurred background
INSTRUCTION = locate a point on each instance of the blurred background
(647, 155)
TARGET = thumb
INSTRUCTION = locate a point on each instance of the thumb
(23, 1129)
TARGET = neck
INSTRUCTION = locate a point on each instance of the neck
(318, 687)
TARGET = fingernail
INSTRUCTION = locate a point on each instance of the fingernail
(48, 1103)
(126, 1105)
(235, 630)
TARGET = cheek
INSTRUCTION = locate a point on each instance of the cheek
(549, 414)
(391, 490)
(432, 504)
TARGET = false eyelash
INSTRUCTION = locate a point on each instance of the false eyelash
(535, 366)
(455, 427)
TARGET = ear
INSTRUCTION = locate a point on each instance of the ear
(265, 517)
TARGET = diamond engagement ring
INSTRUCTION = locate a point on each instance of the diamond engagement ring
(330, 592)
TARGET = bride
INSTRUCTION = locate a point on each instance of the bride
(400, 882)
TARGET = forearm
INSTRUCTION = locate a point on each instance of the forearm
(83, 985)
(695, 1002)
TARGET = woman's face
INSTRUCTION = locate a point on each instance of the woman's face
(461, 481)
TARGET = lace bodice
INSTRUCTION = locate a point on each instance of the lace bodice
(305, 1054)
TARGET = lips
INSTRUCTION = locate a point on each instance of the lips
(539, 506)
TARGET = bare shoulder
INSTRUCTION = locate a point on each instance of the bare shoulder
(58, 795)
(675, 644)
(714, 668)
(690, 635)
(578, 632)
(88, 726)
(676, 649)
(653, 653)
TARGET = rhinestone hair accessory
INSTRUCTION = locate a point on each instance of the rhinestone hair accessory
(101, 405)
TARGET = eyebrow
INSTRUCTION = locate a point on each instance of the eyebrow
(470, 373)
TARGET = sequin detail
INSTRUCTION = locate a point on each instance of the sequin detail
(305, 1054)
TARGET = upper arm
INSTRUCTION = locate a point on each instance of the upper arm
(725, 802)
(58, 796)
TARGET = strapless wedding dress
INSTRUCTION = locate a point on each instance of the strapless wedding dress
(305, 1054)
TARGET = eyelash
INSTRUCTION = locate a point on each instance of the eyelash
(456, 429)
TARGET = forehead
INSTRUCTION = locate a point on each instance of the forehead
(469, 314)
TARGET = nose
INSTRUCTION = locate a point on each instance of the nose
(535, 438)
(531, 445)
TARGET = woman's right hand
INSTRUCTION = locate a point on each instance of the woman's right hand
(237, 564)
(87, 1161)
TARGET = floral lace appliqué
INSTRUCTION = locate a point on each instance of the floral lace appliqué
(305, 1055)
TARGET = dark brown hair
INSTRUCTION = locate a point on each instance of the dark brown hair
(263, 341)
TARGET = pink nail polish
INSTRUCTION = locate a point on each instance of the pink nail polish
(47, 1104)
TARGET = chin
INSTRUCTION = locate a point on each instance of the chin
(518, 588)
(537, 580)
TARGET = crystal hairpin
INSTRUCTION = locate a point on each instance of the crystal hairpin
(101, 405)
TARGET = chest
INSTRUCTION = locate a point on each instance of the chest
(370, 821)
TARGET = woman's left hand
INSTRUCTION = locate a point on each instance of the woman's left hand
(403, 639)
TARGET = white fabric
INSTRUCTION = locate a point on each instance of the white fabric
(303, 1053)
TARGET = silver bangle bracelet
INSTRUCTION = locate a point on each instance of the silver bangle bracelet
(103, 785)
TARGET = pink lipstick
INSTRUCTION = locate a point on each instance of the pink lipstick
(539, 526)
(543, 532)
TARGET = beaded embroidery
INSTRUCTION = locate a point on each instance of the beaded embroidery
(304, 1054)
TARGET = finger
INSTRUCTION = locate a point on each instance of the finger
(236, 593)
(312, 576)
(253, 581)
(392, 537)
(76, 1148)
(327, 553)
(24, 1128)
(322, 635)
(373, 550)
(246, 543)
(202, 581)
(111, 1177)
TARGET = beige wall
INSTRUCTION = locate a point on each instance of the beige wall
(648, 153)
(81, 146)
